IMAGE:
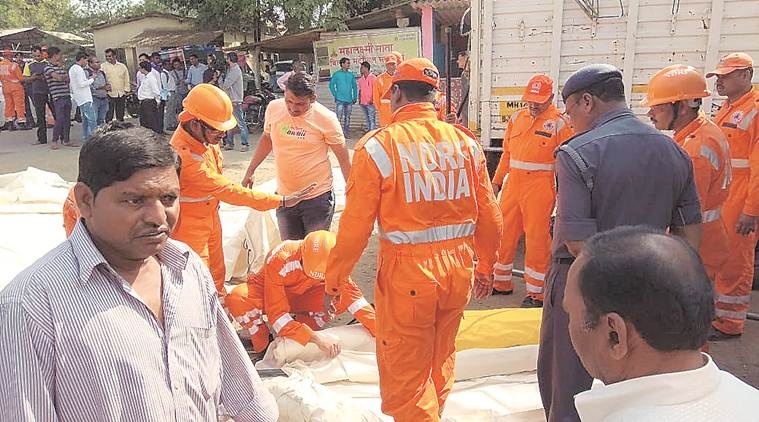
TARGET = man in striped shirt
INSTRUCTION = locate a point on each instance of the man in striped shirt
(120, 322)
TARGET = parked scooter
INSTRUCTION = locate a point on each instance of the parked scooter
(254, 105)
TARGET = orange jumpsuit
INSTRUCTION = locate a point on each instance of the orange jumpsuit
(425, 183)
(528, 196)
(202, 187)
(11, 76)
(381, 85)
(707, 147)
(70, 213)
(281, 288)
(740, 124)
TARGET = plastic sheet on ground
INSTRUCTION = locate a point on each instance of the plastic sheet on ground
(493, 382)
(31, 202)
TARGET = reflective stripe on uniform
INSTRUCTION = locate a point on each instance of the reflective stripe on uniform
(711, 215)
(379, 156)
(196, 157)
(736, 300)
(191, 200)
(524, 165)
(317, 316)
(710, 155)
(357, 305)
(290, 267)
(559, 125)
(533, 289)
(501, 277)
(281, 322)
(503, 267)
(534, 274)
(744, 124)
(739, 163)
(729, 314)
(433, 234)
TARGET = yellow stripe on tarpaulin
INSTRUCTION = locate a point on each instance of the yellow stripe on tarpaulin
(499, 328)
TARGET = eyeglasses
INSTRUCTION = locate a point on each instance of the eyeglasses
(211, 129)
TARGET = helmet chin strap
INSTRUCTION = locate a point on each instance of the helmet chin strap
(675, 112)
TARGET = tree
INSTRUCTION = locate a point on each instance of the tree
(273, 16)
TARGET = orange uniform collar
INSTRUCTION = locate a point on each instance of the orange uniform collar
(691, 127)
(183, 137)
(412, 111)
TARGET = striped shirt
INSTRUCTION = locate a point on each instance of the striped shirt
(78, 344)
(57, 89)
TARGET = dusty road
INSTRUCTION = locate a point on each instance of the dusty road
(740, 356)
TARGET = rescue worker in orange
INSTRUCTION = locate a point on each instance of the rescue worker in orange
(528, 197)
(674, 97)
(206, 118)
(70, 213)
(291, 281)
(11, 76)
(739, 122)
(426, 185)
(381, 85)
(441, 106)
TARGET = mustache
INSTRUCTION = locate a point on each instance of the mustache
(154, 231)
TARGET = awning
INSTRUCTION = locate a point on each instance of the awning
(153, 39)
(295, 43)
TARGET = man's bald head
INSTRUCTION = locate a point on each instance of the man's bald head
(654, 281)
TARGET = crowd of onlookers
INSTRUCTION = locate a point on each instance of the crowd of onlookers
(43, 92)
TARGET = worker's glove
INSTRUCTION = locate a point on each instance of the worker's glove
(295, 198)
(483, 286)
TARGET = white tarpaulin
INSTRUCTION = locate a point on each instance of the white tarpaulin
(491, 384)
(31, 204)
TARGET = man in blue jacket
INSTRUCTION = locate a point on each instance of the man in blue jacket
(344, 88)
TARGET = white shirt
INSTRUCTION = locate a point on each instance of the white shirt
(706, 394)
(150, 87)
(168, 81)
(79, 84)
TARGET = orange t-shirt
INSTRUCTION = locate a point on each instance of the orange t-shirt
(300, 145)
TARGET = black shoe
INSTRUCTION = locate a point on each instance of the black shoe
(502, 292)
(530, 302)
(717, 335)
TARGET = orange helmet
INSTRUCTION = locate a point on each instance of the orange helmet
(209, 104)
(675, 83)
(397, 55)
(315, 250)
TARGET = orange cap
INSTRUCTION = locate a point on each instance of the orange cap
(398, 55)
(675, 83)
(315, 250)
(731, 62)
(538, 90)
(391, 58)
(209, 104)
(419, 70)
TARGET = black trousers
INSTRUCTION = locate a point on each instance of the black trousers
(150, 117)
(117, 105)
(560, 372)
(41, 102)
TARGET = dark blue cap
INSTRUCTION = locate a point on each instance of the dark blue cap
(587, 76)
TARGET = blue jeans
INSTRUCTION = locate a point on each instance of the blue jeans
(229, 139)
(306, 217)
(101, 109)
(89, 119)
(370, 113)
(343, 111)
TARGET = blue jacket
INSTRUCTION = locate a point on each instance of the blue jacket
(343, 86)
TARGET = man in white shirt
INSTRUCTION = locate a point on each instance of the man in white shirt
(172, 98)
(79, 84)
(640, 306)
(235, 88)
(149, 94)
(297, 67)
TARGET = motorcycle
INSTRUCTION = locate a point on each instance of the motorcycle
(254, 105)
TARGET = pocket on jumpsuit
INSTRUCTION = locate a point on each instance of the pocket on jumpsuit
(412, 303)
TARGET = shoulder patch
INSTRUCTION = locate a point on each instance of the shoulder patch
(369, 135)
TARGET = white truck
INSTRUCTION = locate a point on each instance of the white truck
(512, 40)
